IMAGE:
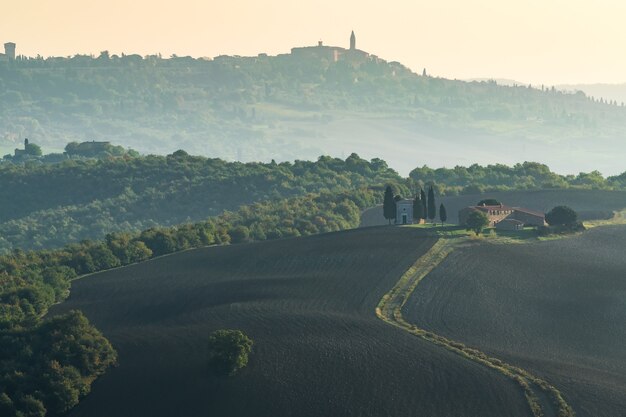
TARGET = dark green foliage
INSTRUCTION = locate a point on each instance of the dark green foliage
(389, 204)
(418, 208)
(488, 202)
(432, 208)
(477, 221)
(477, 179)
(228, 351)
(424, 204)
(239, 234)
(443, 215)
(124, 194)
(32, 149)
(49, 366)
(96, 150)
(561, 216)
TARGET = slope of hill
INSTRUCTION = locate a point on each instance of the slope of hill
(590, 204)
(308, 303)
(291, 107)
(554, 308)
(51, 205)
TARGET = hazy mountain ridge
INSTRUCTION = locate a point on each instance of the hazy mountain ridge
(297, 107)
(599, 91)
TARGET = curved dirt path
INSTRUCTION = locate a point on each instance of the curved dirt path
(544, 400)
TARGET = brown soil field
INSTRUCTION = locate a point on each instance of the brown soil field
(555, 308)
(308, 304)
(590, 204)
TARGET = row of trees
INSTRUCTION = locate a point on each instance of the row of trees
(52, 205)
(423, 207)
(477, 179)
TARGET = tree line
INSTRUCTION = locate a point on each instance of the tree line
(477, 179)
(47, 206)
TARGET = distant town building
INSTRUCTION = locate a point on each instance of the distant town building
(512, 216)
(404, 211)
(22, 152)
(9, 52)
(334, 53)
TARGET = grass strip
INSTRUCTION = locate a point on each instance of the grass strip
(389, 310)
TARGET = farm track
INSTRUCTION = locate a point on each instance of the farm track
(544, 400)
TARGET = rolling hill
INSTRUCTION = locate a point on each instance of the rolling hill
(554, 308)
(290, 107)
(308, 303)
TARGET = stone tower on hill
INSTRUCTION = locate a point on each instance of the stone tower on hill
(352, 41)
(9, 50)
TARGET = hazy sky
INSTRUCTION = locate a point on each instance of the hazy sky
(538, 41)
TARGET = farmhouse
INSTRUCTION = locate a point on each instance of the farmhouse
(404, 211)
(505, 217)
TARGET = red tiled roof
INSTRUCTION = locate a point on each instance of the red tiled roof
(486, 208)
(498, 207)
(531, 212)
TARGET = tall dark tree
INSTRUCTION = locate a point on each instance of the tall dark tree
(424, 205)
(418, 208)
(443, 215)
(432, 209)
(389, 204)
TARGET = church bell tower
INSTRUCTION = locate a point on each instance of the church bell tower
(352, 41)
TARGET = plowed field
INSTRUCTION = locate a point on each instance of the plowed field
(319, 350)
(556, 308)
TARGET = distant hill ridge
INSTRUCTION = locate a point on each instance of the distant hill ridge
(315, 100)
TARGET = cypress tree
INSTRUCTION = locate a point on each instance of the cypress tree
(424, 206)
(389, 205)
(418, 208)
(432, 210)
(443, 215)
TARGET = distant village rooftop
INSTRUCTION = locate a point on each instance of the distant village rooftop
(334, 53)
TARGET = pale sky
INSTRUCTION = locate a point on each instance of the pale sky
(537, 41)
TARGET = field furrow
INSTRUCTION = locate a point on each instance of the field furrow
(308, 304)
(554, 308)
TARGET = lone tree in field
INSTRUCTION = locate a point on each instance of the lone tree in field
(432, 209)
(228, 351)
(477, 221)
(424, 205)
(562, 216)
(389, 205)
(418, 208)
(443, 215)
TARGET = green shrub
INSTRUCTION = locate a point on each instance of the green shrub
(228, 351)
(562, 216)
